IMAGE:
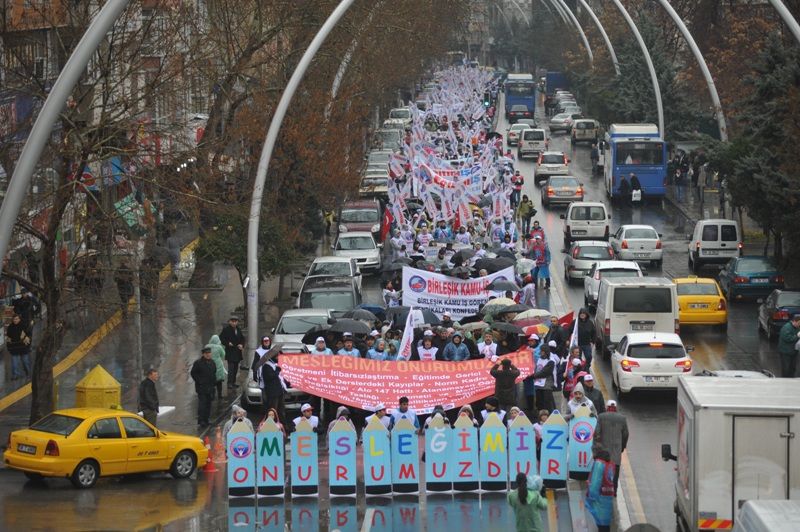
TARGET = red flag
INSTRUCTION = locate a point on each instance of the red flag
(566, 319)
(386, 224)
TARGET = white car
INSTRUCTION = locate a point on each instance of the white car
(582, 255)
(401, 113)
(513, 133)
(551, 163)
(639, 243)
(606, 269)
(337, 266)
(359, 245)
(652, 360)
(295, 323)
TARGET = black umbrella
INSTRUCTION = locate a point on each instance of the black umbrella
(463, 255)
(425, 265)
(507, 327)
(349, 325)
(313, 333)
(360, 314)
(399, 315)
(502, 285)
(507, 253)
(513, 309)
(494, 265)
(402, 260)
(485, 201)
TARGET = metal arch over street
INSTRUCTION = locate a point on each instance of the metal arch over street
(787, 17)
(648, 60)
(263, 167)
(578, 26)
(603, 33)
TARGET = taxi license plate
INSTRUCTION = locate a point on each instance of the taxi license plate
(27, 449)
(660, 380)
(760, 280)
(578, 232)
(698, 305)
(641, 326)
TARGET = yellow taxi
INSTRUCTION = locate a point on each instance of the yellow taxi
(701, 302)
(83, 444)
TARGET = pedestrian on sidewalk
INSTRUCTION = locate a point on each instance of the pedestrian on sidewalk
(527, 503)
(233, 341)
(593, 393)
(204, 374)
(148, 397)
(124, 280)
(788, 339)
(218, 356)
(18, 343)
(611, 436)
(526, 211)
(505, 386)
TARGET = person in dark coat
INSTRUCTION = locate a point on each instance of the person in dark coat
(148, 397)
(787, 338)
(544, 379)
(204, 374)
(586, 335)
(556, 334)
(505, 386)
(273, 386)
(591, 392)
(611, 436)
(26, 307)
(18, 343)
(233, 340)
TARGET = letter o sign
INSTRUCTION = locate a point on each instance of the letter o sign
(240, 474)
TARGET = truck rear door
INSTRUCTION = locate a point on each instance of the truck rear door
(760, 458)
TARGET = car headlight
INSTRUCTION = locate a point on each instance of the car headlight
(342, 228)
(376, 228)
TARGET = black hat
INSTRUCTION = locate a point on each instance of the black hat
(493, 401)
(233, 318)
(205, 350)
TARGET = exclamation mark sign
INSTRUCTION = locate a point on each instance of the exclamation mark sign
(582, 459)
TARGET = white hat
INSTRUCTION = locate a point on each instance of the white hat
(552, 343)
(428, 333)
(379, 407)
(374, 334)
(319, 339)
(576, 361)
(533, 337)
(305, 407)
(588, 378)
(347, 335)
(446, 315)
(611, 402)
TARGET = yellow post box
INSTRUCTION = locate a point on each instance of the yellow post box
(98, 389)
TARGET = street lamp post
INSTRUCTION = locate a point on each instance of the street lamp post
(263, 167)
(603, 33)
(648, 60)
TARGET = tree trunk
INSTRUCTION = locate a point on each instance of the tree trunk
(778, 246)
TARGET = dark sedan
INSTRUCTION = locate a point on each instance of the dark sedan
(776, 310)
(750, 276)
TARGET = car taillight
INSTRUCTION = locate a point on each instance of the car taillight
(658, 244)
(780, 315)
(722, 305)
(610, 252)
(677, 327)
(624, 244)
(739, 279)
(565, 160)
(741, 246)
(580, 191)
(550, 191)
(685, 365)
(607, 327)
(51, 449)
(697, 245)
(627, 365)
(575, 253)
(777, 279)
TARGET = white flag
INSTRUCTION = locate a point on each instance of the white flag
(404, 353)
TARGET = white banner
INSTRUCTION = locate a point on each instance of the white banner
(441, 293)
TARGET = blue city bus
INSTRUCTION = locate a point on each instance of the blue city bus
(637, 149)
(520, 89)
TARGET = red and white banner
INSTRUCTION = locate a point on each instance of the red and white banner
(363, 383)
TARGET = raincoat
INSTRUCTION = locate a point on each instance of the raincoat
(218, 356)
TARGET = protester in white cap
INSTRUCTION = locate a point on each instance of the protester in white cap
(307, 412)
(320, 347)
(427, 351)
(593, 393)
(349, 350)
(380, 413)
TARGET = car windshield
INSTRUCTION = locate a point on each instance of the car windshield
(299, 324)
(635, 299)
(336, 300)
(349, 243)
(400, 113)
(594, 252)
(656, 350)
(789, 299)
(533, 134)
(645, 233)
(584, 125)
(359, 216)
(553, 159)
(330, 268)
(697, 289)
(564, 182)
(57, 424)
(754, 265)
(611, 274)
(588, 213)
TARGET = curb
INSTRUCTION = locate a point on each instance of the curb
(680, 208)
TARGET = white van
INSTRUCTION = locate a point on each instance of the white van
(714, 242)
(585, 220)
(629, 304)
(531, 142)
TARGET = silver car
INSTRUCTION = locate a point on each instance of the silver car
(562, 189)
(582, 255)
(606, 269)
(563, 122)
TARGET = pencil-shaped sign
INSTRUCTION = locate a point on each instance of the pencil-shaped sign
(521, 449)
(241, 443)
(553, 467)
(494, 454)
(465, 455)
(581, 434)
(377, 458)
(342, 458)
(438, 453)
(305, 478)
(270, 460)
(405, 458)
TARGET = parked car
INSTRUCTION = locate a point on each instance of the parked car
(582, 255)
(513, 133)
(606, 269)
(518, 111)
(328, 292)
(750, 276)
(551, 163)
(775, 310)
(561, 190)
(84, 444)
(639, 243)
(648, 360)
(295, 323)
(251, 398)
(701, 302)
(563, 122)
(361, 246)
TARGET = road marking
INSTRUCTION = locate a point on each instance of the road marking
(552, 513)
(90, 342)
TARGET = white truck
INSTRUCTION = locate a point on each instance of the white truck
(738, 440)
